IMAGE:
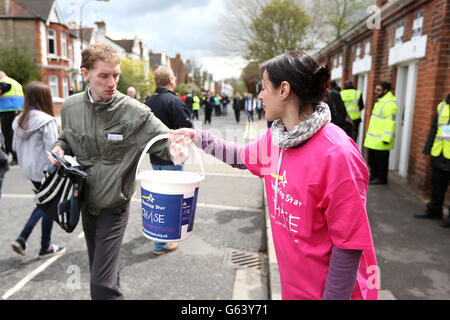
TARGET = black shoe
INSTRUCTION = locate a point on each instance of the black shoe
(13, 163)
(445, 223)
(377, 181)
(427, 215)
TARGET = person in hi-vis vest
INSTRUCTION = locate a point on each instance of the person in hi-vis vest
(438, 146)
(380, 137)
(11, 102)
(354, 104)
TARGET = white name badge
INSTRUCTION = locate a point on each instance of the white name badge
(115, 137)
(446, 131)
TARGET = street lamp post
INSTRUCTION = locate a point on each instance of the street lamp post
(81, 29)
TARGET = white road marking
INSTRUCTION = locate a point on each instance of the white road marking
(45, 265)
(136, 199)
(30, 276)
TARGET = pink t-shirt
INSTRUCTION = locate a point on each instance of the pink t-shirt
(321, 202)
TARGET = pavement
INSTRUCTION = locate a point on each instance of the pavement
(230, 255)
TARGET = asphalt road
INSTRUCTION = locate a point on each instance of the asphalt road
(413, 255)
(229, 220)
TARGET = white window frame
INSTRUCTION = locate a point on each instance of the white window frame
(63, 41)
(358, 51)
(53, 83)
(399, 34)
(367, 48)
(51, 36)
(70, 48)
(417, 25)
(65, 87)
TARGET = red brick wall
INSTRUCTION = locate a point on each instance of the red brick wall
(433, 83)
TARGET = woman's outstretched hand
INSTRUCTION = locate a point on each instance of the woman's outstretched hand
(180, 140)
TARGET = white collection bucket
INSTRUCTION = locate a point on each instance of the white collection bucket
(168, 200)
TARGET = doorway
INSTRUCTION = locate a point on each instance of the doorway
(406, 95)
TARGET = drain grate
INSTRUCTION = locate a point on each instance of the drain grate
(243, 259)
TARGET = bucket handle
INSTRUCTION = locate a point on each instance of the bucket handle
(160, 137)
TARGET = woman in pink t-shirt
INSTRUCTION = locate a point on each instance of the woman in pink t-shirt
(316, 183)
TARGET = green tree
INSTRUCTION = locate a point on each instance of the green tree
(238, 85)
(18, 64)
(338, 15)
(136, 74)
(279, 28)
(251, 76)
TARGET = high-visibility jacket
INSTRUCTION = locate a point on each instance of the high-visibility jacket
(12, 100)
(382, 124)
(351, 98)
(196, 104)
(442, 143)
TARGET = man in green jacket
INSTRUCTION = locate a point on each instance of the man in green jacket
(107, 132)
(380, 138)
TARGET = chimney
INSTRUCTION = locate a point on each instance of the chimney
(4, 7)
(381, 3)
(101, 27)
(72, 25)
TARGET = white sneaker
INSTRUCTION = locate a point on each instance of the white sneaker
(19, 247)
(52, 250)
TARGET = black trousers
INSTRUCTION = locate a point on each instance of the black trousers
(208, 112)
(7, 119)
(378, 164)
(237, 115)
(356, 124)
(439, 185)
(104, 234)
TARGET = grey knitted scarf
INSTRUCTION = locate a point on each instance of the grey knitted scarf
(304, 130)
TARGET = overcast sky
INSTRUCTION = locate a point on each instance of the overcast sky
(188, 27)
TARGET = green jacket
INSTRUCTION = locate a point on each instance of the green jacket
(107, 139)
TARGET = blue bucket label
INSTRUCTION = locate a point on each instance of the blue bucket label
(163, 215)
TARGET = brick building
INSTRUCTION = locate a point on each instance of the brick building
(410, 49)
(38, 24)
(179, 68)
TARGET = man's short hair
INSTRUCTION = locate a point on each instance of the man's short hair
(348, 84)
(96, 52)
(162, 76)
(385, 85)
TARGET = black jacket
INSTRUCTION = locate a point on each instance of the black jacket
(337, 108)
(171, 110)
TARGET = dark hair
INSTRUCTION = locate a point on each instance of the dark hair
(385, 85)
(447, 101)
(348, 85)
(307, 79)
(37, 96)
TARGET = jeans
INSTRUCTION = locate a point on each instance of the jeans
(47, 224)
(159, 246)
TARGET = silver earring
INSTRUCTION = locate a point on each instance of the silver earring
(282, 98)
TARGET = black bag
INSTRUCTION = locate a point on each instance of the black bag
(61, 192)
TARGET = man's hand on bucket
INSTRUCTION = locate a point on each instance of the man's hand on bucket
(180, 140)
